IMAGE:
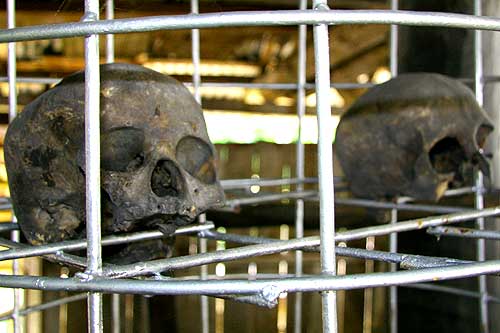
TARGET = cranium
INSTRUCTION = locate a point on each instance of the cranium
(157, 162)
(414, 135)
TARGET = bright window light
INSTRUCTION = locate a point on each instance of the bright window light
(381, 75)
(244, 128)
(336, 99)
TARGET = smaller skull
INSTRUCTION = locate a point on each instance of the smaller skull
(415, 135)
(157, 162)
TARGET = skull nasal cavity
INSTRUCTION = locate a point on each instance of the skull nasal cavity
(447, 155)
(165, 180)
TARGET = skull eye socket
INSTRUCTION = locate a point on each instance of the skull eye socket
(122, 149)
(447, 155)
(195, 156)
(482, 133)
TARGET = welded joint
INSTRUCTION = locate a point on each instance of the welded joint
(203, 233)
(159, 277)
(266, 298)
(481, 189)
(84, 276)
(328, 272)
(321, 6)
(40, 284)
(89, 17)
(271, 294)
(418, 262)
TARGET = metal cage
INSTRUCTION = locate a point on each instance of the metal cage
(119, 279)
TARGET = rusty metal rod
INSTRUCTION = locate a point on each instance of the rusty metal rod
(464, 233)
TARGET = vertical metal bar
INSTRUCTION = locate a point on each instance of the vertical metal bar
(393, 291)
(394, 43)
(115, 313)
(368, 292)
(110, 58)
(300, 162)
(341, 270)
(12, 75)
(110, 38)
(481, 256)
(479, 200)
(12, 78)
(478, 56)
(393, 237)
(325, 166)
(195, 55)
(92, 166)
(205, 315)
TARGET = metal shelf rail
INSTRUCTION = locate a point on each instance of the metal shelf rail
(98, 278)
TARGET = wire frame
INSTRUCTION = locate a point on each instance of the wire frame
(98, 278)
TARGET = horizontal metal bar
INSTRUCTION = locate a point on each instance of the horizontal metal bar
(451, 290)
(283, 86)
(248, 18)
(40, 80)
(45, 306)
(59, 257)
(415, 224)
(464, 233)
(245, 252)
(313, 195)
(491, 79)
(72, 245)
(459, 191)
(235, 276)
(268, 299)
(406, 261)
(400, 206)
(8, 226)
(250, 85)
(343, 85)
(230, 184)
(239, 287)
(183, 262)
(232, 203)
(160, 265)
(254, 85)
(6, 206)
(238, 239)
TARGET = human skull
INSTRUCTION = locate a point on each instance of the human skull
(414, 135)
(157, 162)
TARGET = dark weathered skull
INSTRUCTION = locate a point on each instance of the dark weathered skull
(412, 136)
(157, 165)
